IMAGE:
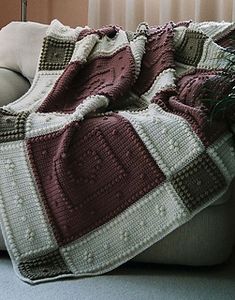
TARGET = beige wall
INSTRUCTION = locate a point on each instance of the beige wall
(69, 12)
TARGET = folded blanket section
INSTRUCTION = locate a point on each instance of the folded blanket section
(111, 148)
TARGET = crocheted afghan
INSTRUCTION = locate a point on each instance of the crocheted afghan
(111, 148)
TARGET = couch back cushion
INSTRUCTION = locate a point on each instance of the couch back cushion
(12, 86)
(20, 46)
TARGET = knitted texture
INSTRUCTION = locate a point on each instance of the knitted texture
(111, 148)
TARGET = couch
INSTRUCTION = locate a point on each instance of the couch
(129, 282)
(196, 261)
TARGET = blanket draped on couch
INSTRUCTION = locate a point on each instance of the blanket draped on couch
(112, 148)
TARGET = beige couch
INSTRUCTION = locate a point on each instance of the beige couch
(207, 239)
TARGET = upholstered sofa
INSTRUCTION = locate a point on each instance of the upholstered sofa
(196, 261)
(193, 262)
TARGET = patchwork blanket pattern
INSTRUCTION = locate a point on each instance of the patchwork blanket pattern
(111, 149)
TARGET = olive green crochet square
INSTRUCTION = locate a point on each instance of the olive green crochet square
(191, 48)
(56, 54)
(12, 126)
(198, 181)
(46, 266)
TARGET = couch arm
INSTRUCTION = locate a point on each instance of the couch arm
(12, 86)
